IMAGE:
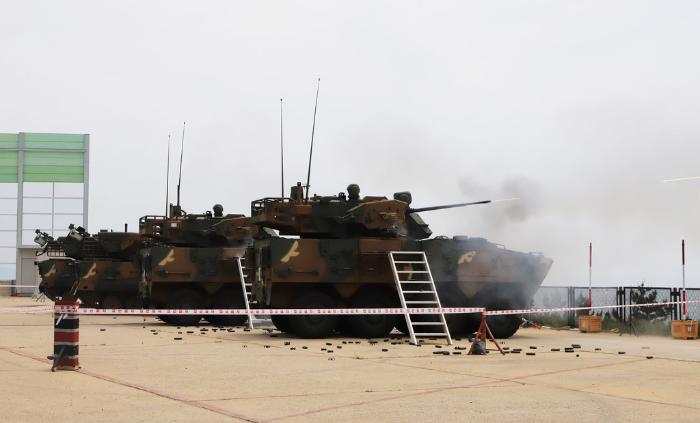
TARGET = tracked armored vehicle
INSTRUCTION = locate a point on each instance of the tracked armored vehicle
(333, 252)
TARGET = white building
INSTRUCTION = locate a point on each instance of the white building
(43, 185)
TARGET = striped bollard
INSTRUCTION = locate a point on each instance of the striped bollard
(66, 334)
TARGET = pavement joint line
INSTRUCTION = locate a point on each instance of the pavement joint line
(316, 394)
(453, 373)
(583, 391)
(385, 360)
(449, 388)
(142, 388)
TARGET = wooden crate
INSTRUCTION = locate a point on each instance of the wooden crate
(684, 329)
(590, 324)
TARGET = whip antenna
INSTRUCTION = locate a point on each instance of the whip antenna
(313, 130)
(182, 149)
(167, 178)
(282, 147)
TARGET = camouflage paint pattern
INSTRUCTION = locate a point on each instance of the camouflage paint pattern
(343, 244)
(198, 230)
(473, 265)
(206, 270)
(90, 280)
(193, 251)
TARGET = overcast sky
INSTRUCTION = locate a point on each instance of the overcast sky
(580, 108)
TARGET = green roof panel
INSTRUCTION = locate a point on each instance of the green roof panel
(61, 160)
(58, 141)
(9, 140)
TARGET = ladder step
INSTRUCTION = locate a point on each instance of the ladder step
(420, 286)
(247, 288)
(430, 334)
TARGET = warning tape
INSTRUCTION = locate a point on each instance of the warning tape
(318, 311)
(271, 311)
(560, 309)
(348, 311)
(28, 309)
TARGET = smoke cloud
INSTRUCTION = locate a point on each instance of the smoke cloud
(521, 197)
(580, 109)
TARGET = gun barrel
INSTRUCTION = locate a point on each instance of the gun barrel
(447, 206)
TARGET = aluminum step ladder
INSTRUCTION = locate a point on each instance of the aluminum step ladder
(247, 289)
(416, 289)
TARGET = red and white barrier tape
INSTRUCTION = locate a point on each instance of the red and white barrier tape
(318, 311)
(28, 309)
(351, 311)
(271, 311)
(560, 309)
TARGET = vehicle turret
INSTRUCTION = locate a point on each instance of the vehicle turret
(179, 229)
(343, 216)
(200, 230)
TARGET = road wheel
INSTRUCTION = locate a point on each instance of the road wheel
(88, 299)
(165, 318)
(313, 326)
(228, 299)
(281, 323)
(372, 325)
(461, 325)
(505, 326)
(111, 301)
(401, 325)
(133, 301)
(184, 299)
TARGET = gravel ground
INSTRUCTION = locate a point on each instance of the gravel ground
(138, 370)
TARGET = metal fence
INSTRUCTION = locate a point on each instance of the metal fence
(574, 296)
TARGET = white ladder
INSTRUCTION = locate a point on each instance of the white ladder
(413, 278)
(247, 291)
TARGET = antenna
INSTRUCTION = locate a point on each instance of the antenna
(313, 130)
(167, 178)
(182, 149)
(282, 147)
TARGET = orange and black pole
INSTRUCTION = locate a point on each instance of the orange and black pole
(66, 336)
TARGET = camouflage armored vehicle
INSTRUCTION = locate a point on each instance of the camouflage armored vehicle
(336, 255)
(177, 261)
(101, 269)
(191, 262)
